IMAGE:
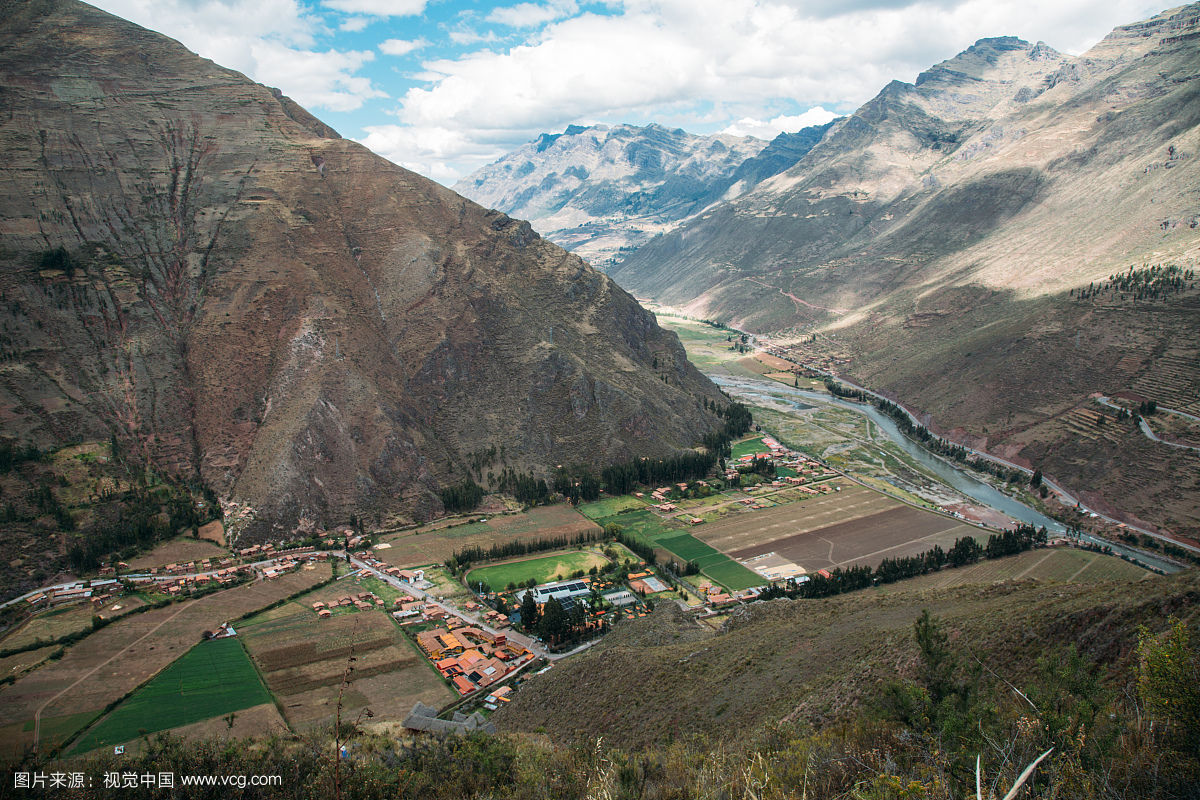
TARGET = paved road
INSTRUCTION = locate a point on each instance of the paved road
(1147, 430)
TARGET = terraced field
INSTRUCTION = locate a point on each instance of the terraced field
(304, 658)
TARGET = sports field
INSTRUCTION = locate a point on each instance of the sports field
(542, 569)
(852, 526)
(747, 447)
(212, 679)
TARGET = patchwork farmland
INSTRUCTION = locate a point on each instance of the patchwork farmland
(669, 536)
(303, 658)
(853, 526)
(212, 679)
(113, 661)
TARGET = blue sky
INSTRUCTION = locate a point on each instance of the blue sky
(446, 86)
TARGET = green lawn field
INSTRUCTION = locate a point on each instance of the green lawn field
(541, 570)
(644, 526)
(211, 680)
(609, 506)
(747, 447)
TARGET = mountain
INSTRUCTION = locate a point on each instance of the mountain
(955, 244)
(194, 267)
(602, 191)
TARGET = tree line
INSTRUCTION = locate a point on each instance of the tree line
(463, 559)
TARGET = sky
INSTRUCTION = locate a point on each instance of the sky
(444, 87)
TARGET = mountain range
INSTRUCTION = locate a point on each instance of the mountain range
(603, 191)
(195, 268)
(991, 246)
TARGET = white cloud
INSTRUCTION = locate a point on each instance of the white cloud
(378, 8)
(317, 80)
(401, 47)
(272, 41)
(530, 15)
(769, 129)
(354, 24)
(443, 154)
(657, 58)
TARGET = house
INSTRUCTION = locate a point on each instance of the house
(424, 719)
(324, 612)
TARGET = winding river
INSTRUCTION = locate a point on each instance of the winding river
(760, 390)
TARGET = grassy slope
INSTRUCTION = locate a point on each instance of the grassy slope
(816, 660)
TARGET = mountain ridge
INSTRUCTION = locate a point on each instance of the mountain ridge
(602, 190)
(194, 265)
(940, 243)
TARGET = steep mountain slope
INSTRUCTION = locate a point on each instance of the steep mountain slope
(602, 191)
(817, 661)
(195, 265)
(937, 240)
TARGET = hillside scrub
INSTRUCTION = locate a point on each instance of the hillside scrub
(921, 738)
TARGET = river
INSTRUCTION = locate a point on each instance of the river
(758, 390)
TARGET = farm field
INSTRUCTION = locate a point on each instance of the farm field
(212, 679)
(177, 550)
(673, 538)
(111, 662)
(1053, 565)
(707, 347)
(853, 526)
(52, 624)
(608, 506)
(412, 549)
(303, 658)
(541, 569)
(22, 662)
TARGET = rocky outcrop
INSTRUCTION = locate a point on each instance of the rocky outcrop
(192, 263)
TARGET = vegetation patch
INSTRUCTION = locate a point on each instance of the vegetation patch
(538, 570)
(608, 506)
(212, 679)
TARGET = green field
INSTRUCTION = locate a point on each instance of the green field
(747, 447)
(540, 570)
(713, 563)
(212, 679)
(609, 506)
(644, 526)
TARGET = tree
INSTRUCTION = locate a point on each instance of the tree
(1036, 480)
(529, 611)
(554, 624)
